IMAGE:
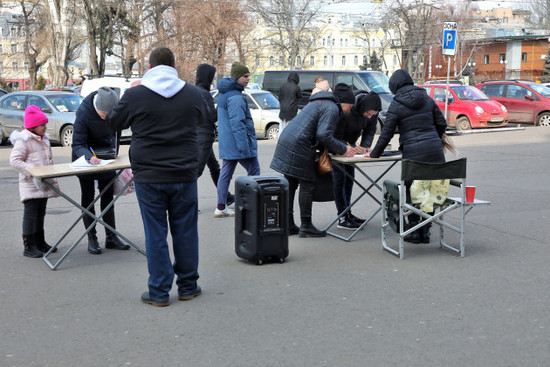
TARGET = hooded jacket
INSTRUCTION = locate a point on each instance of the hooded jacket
(236, 133)
(90, 130)
(207, 127)
(421, 123)
(164, 113)
(352, 124)
(30, 150)
(289, 95)
(311, 130)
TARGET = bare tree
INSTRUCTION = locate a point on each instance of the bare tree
(541, 10)
(292, 25)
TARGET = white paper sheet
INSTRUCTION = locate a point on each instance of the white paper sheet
(83, 163)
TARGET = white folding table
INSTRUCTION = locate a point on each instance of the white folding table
(42, 173)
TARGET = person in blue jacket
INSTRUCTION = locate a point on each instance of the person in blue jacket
(236, 134)
(421, 133)
(91, 131)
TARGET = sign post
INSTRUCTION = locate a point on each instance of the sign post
(449, 49)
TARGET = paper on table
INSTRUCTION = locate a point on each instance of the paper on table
(359, 156)
(83, 163)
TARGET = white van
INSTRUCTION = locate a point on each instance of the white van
(119, 84)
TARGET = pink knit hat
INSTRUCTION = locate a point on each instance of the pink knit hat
(34, 117)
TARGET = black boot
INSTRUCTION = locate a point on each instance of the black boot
(292, 227)
(41, 242)
(425, 232)
(413, 237)
(230, 199)
(30, 247)
(113, 242)
(93, 244)
(307, 229)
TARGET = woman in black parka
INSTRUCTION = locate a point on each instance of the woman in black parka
(421, 126)
(91, 131)
(310, 131)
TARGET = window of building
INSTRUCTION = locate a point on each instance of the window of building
(524, 57)
(343, 61)
(333, 42)
(329, 20)
(257, 60)
(271, 61)
(13, 48)
(289, 61)
(501, 58)
(324, 41)
(299, 60)
(346, 42)
(505, 20)
(325, 61)
(281, 62)
(364, 59)
(341, 42)
(331, 60)
(26, 66)
(394, 59)
(485, 59)
(312, 61)
(14, 67)
(355, 60)
(1, 48)
(13, 32)
(357, 42)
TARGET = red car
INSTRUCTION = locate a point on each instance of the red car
(526, 101)
(467, 106)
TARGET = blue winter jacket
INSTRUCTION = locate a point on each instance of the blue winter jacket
(236, 133)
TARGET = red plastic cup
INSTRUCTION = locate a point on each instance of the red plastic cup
(470, 194)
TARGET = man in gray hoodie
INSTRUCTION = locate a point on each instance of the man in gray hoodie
(164, 113)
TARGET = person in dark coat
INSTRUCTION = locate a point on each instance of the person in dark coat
(289, 95)
(360, 121)
(91, 132)
(164, 113)
(311, 131)
(206, 132)
(421, 127)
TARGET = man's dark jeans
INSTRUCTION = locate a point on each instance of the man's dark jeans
(174, 205)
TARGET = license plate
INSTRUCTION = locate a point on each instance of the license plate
(497, 119)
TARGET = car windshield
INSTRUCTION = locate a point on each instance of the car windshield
(377, 82)
(469, 93)
(267, 101)
(540, 89)
(65, 102)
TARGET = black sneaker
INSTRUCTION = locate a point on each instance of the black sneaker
(348, 224)
(230, 200)
(356, 220)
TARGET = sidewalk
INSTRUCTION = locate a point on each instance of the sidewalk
(331, 303)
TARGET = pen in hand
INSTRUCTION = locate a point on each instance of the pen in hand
(95, 156)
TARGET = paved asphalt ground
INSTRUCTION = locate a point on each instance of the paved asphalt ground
(331, 304)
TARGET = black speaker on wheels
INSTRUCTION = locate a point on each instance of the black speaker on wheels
(261, 218)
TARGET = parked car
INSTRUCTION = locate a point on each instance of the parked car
(525, 100)
(264, 108)
(467, 106)
(60, 107)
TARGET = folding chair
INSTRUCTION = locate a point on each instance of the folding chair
(395, 209)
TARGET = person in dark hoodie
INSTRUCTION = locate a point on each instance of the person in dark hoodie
(360, 121)
(207, 127)
(289, 95)
(91, 131)
(311, 131)
(164, 113)
(421, 127)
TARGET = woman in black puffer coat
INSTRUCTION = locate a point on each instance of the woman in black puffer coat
(310, 131)
(421, 126)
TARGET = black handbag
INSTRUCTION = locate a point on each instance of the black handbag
(105, 152)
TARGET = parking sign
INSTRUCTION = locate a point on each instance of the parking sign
(449, 38)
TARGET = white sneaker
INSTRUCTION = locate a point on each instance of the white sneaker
(227, 212)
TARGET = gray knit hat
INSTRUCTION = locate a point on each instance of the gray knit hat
(105, 99)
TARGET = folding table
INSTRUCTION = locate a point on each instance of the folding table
(66, 169)
(340, 162)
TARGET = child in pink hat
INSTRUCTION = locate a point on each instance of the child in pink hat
(31, 148)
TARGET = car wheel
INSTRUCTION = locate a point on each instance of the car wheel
(272, 132)
(66, 136)
(463, 123)
(543, 119)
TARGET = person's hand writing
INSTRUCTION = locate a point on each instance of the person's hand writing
(94, 160)
(350, 151)
(360, 150)
(367, 154)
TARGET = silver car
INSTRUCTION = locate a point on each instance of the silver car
(60, 107)
(264, 108)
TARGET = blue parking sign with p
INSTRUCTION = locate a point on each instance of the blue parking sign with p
(449, 38)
